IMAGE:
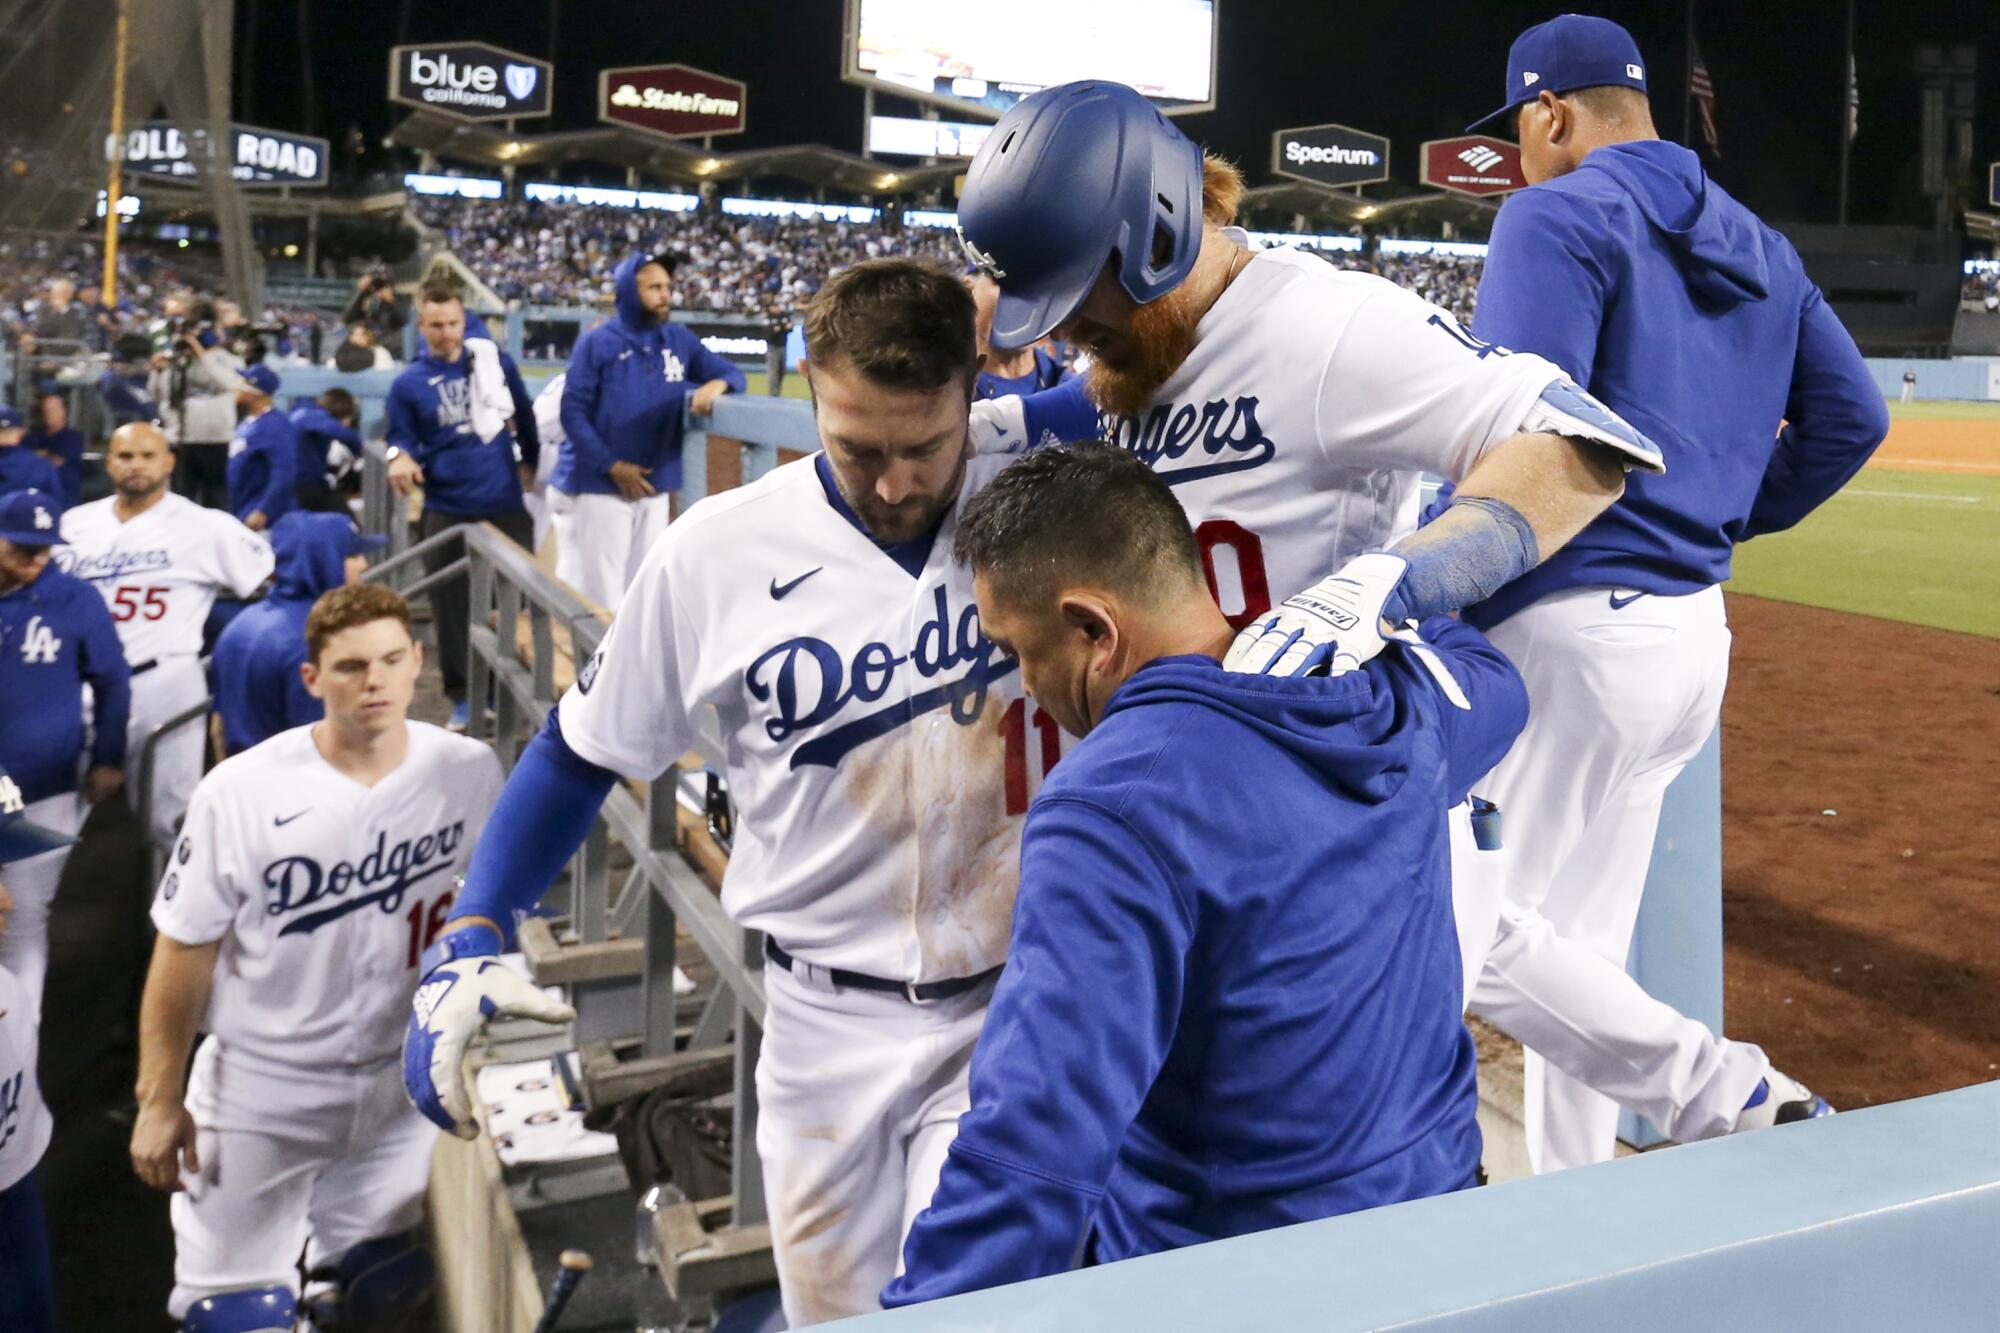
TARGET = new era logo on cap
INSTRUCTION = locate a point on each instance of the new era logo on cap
(1635, 72)
(1529, 78)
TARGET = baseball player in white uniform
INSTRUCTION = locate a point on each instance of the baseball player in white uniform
(159, 559)
(881, 755)
(1293, 406)
(312, 871)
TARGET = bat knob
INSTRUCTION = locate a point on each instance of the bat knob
(576, 1261)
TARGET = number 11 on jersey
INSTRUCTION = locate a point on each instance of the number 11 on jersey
(1014, 736)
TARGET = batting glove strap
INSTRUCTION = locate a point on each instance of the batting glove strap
(453, 1002)
(1333, 626)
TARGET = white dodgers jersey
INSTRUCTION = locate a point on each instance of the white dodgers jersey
(160, 572)
(25, 1125)
(879, 749)
(324, 893)
(1295, 433)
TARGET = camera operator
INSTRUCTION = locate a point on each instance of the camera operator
(375, 302)
(195, 382)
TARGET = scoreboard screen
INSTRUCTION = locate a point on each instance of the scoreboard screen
(977, 55)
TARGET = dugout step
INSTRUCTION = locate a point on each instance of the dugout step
(614, 1071)
(701, 1254)
(554, 960)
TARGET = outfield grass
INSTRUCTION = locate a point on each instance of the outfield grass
(1943, 410)
(1920, 547)
(795, 386)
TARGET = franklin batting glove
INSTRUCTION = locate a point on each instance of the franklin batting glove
(464, 985)
(1331, 628)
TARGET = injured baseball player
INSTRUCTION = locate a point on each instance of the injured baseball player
(1201, 1034)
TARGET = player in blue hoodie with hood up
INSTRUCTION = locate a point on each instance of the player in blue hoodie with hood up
(1201, 1033)
(1688, 317)
(630, 380)
(258, 690)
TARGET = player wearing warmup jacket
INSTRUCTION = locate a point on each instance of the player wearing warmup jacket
(263, 454)
(55, 637)
(312, 871)
(259, 690)
(322, 425)
(1624, 264)
(628, 383)
(1293, 406)
(881, 757)
(1130, 1093)
(159, 559)
(22, 468)
(25, 1124)
(454, 416)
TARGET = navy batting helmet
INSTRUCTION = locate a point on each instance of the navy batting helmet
(1068, 176)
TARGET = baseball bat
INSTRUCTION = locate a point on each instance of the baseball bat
(574, 1263)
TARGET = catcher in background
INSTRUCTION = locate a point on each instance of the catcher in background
(1191, 1042)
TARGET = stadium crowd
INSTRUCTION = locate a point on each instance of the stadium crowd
(1982, 287)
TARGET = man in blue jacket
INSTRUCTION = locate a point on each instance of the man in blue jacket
(322, 423)
(629, 381)
(1189, 1044)
(263, 453)
(1688, 317)
(258, 689)
(21, 467)
(59, 442)
(56, 636)
(450, 431)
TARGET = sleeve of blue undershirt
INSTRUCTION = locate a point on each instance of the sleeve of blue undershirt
(545, 812)
(1062, 415)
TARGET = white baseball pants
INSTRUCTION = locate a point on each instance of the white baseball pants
(31, 883)
(1622, 697)
(170, 687)
(600, 540)
(293, 1157)
(859, 1095)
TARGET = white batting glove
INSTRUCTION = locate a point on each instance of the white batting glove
(1331, 628)
(453, 1002)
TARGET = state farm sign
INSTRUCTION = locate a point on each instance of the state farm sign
(673, 101)
(1330, 155)
(1473, 164)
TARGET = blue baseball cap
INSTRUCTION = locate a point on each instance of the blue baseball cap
(10, 416)
(262, 378)
(31, 518)
(1569, 52)
(20, 838)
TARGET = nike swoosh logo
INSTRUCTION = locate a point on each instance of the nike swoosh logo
(1620, 603)
(280, 823)
(779, 590)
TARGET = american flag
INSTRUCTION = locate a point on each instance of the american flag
(1704, 99)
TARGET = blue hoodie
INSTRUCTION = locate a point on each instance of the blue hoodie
(1695, 322)
(56, 636)
(66, 444)
(1046, 373)
(318, 429)
(22, 469)
(1232, 996)
(429, 413)
(257, 687)
(263, 460)
(624, 400)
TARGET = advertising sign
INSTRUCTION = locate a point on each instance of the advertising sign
(257, 156)
(1476, 164)
(672, 101)
(1333, 155)
(470, 80)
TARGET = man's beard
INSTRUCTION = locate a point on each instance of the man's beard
(136, 488)
(913, 517)
(1163, 333)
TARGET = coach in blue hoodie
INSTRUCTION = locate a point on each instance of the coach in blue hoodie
(630, 381)
(1201, 1033)
(263, 455)
(1687, 316)
(258, 689)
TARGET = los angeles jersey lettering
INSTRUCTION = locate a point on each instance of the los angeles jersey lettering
(1296, 432)
(323, 892)
(160, 572)
(875, 741)
(25, 1125)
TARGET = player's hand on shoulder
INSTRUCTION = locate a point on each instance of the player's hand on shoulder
(1331, 628)
(163, 1144)
(463, 986)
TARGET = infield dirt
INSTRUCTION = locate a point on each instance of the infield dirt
(1861, 850)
